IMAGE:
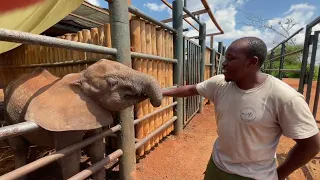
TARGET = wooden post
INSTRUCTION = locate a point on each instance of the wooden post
(144, 70)
(160, 76)
(95, 40)
(149, 71)
(155, 120)
(136, 44)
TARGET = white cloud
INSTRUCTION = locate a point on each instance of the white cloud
(156, 7)
(298, 7)
(94, 2)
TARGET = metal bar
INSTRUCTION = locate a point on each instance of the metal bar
(88, 61)
(208, 64)
(271, 58)
(313, 60)
(154, 113)
(66, 63)
(207, 7)
(202, 11)
(155, 132)
(193, 114)
(97, 166)
(153, 57)
(287, 39)
(288, 54)
(194, 72)
(190, 51)
(184, 79)
(284, 70)
(316, 98)
(191, 15)
(166, 3)
(178, 67)
(30, 167)
(283, 51)
(17, 129)
(314, 22)
(141, 14)
(29, 38)
(212, 60)
(202, 42)
(95, 8)
(197, 37)
(120, 39)
(304, 59)
(86, 19)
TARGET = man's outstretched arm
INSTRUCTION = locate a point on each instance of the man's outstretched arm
(183, 91)
(299, 155)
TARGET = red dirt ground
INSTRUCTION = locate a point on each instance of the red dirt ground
(183, 157)
(186, 156)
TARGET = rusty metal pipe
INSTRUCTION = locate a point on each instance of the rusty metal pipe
(153, 113)
(155, 132)
(24, 170)
(97, 166)
(17, 129)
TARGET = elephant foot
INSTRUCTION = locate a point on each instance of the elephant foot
(70, 164)
(96, 153)
(20, 149)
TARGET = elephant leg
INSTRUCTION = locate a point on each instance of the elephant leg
(70, 164)
(20, 149)
(96, 153)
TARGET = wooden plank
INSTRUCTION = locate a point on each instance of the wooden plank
(149, 71)
(159, 34)
(155, 120)
(136, 44)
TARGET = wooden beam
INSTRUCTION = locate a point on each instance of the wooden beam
(206, 5)
(186, 15)
(86, 19)
(169, 5)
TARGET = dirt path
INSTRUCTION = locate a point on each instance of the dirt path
(186, 156)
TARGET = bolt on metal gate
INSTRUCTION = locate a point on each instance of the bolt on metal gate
(121, 52)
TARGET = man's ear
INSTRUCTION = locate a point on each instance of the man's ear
(253, 61)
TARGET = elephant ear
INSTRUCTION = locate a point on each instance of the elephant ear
(64, 107)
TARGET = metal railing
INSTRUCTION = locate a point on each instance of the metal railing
(306, 75)
(121, 53)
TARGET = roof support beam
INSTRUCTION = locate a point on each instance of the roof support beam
(186, 15)
(169, 5)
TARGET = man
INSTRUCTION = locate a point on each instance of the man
(253, 110)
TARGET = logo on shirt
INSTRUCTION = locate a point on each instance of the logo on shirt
(248, 114)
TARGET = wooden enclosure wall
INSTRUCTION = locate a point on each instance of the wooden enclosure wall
(147, 38)
(58, 61)
(207, 70)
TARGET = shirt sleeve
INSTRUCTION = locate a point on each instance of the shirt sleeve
(296, 119)
(209, 87)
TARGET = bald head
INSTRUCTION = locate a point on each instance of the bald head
(253, 47)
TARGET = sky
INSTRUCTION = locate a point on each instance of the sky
(239, 18)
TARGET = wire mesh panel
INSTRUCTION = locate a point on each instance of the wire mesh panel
(191, 68)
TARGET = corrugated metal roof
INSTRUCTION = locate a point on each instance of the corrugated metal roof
(89, 16)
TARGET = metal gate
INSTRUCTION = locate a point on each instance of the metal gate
(191, 70)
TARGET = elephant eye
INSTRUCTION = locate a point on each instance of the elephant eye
(112, 81)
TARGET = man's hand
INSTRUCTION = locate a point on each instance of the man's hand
(299, 155)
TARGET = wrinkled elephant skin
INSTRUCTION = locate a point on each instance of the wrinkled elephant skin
(75, 106)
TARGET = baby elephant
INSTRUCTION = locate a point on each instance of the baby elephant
(75, 105)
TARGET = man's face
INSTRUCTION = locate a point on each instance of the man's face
(237, 64)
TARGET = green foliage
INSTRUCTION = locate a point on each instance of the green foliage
(290, 62)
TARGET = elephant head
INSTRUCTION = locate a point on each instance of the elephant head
(116, 86)
(83, 100)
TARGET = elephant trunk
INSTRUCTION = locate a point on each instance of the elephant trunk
(151, 89)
